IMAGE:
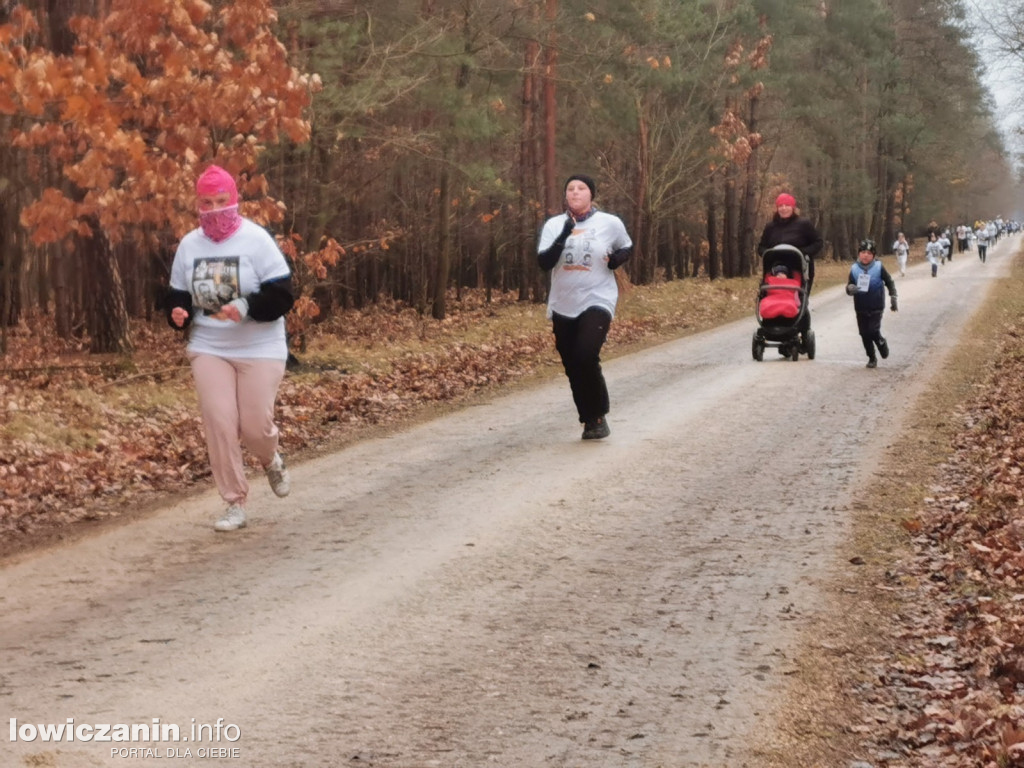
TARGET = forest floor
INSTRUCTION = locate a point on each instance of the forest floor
(919, 664)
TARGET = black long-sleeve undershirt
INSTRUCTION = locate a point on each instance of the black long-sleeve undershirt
(273, 300)
(549, 256)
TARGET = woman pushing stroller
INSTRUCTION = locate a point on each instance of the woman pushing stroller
(781, 306)
(788, 227)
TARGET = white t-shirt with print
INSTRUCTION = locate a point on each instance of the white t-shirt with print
(216, 273)
(581, 278)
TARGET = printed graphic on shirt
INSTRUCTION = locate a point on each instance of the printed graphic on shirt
(215, 283)
(582, 242)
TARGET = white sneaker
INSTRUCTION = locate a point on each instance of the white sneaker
(277, 474)
(234, 518)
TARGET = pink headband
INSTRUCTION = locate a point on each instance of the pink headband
(785, 199)
(214, 181)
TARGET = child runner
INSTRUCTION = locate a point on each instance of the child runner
(867, 279)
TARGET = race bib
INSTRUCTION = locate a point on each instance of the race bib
(863, 282)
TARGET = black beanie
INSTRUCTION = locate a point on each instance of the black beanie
(586, 180)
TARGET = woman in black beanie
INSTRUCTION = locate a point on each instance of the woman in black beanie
(582, 248)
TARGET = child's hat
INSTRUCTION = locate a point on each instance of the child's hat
(867, 245)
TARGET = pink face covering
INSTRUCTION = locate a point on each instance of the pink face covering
(221, 223)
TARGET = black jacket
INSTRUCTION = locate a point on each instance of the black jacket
(796, 231)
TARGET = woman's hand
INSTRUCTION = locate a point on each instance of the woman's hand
(235, 311)
(229, 312)
(179, 316)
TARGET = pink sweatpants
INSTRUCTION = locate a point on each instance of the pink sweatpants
(236, 399)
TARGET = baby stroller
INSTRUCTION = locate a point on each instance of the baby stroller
(783, 317)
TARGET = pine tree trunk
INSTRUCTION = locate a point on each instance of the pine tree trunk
(11, 255)
(11, 258)
(527, 180)
(437, 310)
(748, 212)
(889, 217)
(65, 300)
(491, 265)
(667, 249)
(874, 226)
(730, 228)
(904, 205)
(8, 314)
(552, 195)
(712, 231)
(106, 310)
(689, 260)
(641, 267)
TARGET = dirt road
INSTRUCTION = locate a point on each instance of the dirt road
(485, 588)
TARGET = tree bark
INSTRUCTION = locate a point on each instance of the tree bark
(730, 218)
(437, 310)
(641, 251)
(528, 171)
(748, 211)
(712, 230)
(106, 309)
(552, 195)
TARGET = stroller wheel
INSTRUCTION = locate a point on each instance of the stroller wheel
(809, 344)
(794, 351)
(757, 348)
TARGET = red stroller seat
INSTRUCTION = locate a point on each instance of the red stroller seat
(781, 302)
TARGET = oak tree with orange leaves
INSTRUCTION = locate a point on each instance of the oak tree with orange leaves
(143, 98)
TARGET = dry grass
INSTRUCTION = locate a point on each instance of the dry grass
(380, 336)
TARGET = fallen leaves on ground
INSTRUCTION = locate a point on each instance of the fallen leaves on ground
(89, 437)
(949, 691)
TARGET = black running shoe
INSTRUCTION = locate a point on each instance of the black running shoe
(596, 429)
(872, 363)
(883, 348)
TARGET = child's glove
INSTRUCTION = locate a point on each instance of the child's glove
(851, 288)
(893, 305)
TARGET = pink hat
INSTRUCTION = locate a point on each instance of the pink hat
(785, 199)
(215, 180)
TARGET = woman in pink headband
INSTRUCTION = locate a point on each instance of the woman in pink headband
(788, 227)
(231, 287)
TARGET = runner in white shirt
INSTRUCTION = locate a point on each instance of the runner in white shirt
(902, 249)
(231, 287)
(582, 248)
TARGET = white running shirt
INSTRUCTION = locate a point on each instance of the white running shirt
(581, 278)
(216, 273)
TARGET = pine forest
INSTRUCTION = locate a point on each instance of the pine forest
(409, 150)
